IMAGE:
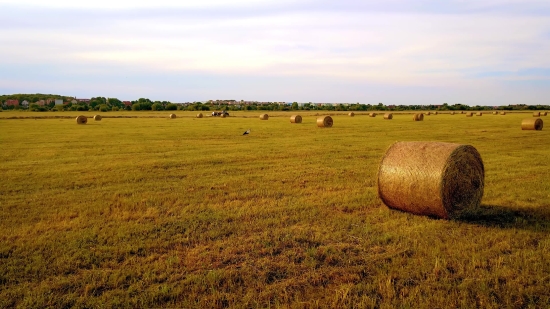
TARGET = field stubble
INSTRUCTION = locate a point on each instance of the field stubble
(187, 212)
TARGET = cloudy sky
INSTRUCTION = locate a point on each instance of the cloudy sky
(475, 52)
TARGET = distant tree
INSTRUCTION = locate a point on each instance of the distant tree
(294, 106)
(157, 106)
(171, 107)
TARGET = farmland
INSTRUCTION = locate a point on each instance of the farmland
(188, 213)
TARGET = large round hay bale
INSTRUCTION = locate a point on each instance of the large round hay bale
(295, 119)
(372, 114)
(479, 114)
(200, 115)
(431, 178)
(543, 113)
(503, 113)
(531, 124)
(418, 117)
(536, 114)
(172, 116)
(97, 117)
(388, 116)
(81, 119)
(469, 114)
(324, 122)
(264, 117)
(351, 114)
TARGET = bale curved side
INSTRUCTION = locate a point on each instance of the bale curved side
(536, 114)
(427, 113)
(351, 114)
(469, 114)
(81, 119)
(199, 115)
(97, 117)
(418, 117)
(172, 116)
(532, 124)
(388, 116)
(324, 122)
(479, 114)
(495, 113)
(372, 114)
(296, 119)
(543, 113)
(264, 117)
(431, 178)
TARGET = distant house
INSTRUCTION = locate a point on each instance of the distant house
(41, 102)
(58, 102)
(87, 101)
(12, 102)
(25, 103)
(127, 103)
(74, 101)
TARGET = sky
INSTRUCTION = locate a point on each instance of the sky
(474, 52)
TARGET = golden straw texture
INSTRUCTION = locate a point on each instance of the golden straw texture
(264, 117)
(325, 121)
(418, 117)
(532, 124)
(388, 116)
(81, 119)
(97, 117)
(296, 119)
(431, 178)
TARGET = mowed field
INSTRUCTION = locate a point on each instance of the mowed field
(188, 213)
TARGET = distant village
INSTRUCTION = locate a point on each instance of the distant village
(43, 103)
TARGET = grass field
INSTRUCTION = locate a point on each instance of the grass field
(188, 213)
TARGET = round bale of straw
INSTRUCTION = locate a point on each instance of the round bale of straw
(81, 119)
(223, 115)
(435, 113)
(469, 114)
(495, 113)
(428, 113)
(452, 113)
(296, 119)
(462, 112)
(479, 114)
(503, 113)
(531, 124)
(436, 179)
(418, 117)
(543, 113)
(97, 117)
(172, 116)
(372, 114)
(324, 122)
(536, 114)
(264, 117)
(351, 114)
(199, 115)
(388, 116)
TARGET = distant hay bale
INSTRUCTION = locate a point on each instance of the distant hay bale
(543, 113)
(223, 115)
(199, 115)
(495, 113)
(264, 117)
(532, 124)
(469, 114)
(97, 117)
(172, 116)
(427, 113)
(479, 114)
(431, 178)
(351, 114)
(435, 113)
(536, 114)
(81, 119)
(296, 119)
(372, 114)
(503, 113)
(388, 116)
(418, 117)
(324, 122)
(452, 113)
(462, 112)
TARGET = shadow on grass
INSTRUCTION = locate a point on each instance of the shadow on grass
(526, 218)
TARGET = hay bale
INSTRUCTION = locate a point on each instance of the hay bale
(296, 119)
(479, 114)
(388, 116)
(435, 113)
(81, 119)
(223, 115)
(495, 113)
(324, 122)
(469, 114)
(351, 114)
(503, 113)
(97, 117)
(452, 113)
(199, 115)
(431, 178)
(531, 124)
(536, 114)
(372, 114)
(264, 117)
(427, 113)
(172, 116)
(418, 117)
(543, 113)
(462, 112)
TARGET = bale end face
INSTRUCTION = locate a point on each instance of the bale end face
(325, 122)
(443, 180)
(296, 119)
(532, 124)
(81, 119)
